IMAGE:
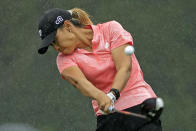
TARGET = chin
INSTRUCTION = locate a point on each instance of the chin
(67, 53)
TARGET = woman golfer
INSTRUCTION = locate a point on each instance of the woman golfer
(91, 57)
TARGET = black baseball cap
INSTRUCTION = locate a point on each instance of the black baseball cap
(48, 25)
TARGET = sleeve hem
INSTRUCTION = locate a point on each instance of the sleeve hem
(63, 70)
(122, 43)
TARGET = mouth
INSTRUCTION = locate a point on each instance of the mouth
(61, 50)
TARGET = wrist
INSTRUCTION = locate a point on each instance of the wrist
(115, 92)
(111, 96)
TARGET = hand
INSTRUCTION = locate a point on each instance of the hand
(104, 102)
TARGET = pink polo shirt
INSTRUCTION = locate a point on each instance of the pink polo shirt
(99, 68)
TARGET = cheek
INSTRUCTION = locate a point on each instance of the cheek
(73, 38)
(71, 42)
(68, 40)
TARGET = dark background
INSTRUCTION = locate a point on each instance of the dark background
(32, 91)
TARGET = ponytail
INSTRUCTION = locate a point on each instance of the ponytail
(80, 17)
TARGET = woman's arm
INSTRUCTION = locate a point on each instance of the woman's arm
(123, 67)
(74, 75)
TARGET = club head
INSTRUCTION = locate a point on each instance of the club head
(159, 103)
(152, 107)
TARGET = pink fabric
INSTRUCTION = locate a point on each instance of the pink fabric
(99, 69)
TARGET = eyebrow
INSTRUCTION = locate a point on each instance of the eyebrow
(51, 44)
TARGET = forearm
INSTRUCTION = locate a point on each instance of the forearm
(86, 88)
(121, 78)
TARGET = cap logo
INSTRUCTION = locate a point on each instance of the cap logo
(40, 33)
(59, 20)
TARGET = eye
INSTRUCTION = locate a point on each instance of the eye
(52, 45)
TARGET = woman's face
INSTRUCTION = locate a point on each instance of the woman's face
(65, 41)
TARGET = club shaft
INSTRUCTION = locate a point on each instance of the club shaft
(112, 109)
(132, 114)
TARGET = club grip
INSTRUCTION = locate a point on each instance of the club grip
(111, 108)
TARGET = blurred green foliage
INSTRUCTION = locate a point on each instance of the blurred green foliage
(32, 91)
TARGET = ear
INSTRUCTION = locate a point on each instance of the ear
(68, 25)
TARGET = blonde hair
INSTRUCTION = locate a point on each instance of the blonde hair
(81, 16)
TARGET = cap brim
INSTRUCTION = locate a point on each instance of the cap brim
(46, 42)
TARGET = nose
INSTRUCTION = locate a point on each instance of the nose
(58, 48)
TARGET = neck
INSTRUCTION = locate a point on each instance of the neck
(85, 37)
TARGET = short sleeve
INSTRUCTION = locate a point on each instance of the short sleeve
(118, 36)
(64, 61)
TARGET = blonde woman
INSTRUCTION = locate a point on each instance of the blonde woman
(91, 57)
